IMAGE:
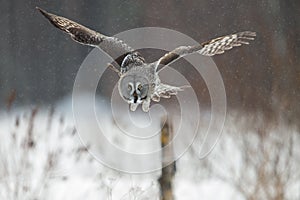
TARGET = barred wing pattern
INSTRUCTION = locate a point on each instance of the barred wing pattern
(116, 48)
(210, 48)
(166, 91)
(221, 44)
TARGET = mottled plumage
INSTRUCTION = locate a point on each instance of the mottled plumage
(139, 81)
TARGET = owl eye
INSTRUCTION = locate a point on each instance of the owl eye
(140, 87)
(129, 87)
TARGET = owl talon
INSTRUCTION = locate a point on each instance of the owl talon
(133, 106)
(146, 105)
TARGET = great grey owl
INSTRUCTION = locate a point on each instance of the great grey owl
(139, 81)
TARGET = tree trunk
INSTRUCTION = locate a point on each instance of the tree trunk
(168, 166)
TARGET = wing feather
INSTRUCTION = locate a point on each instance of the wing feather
(115, 47)
(209, 48)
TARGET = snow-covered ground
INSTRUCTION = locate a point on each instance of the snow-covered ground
(42, 157)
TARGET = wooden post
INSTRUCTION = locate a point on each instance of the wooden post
(169, 167)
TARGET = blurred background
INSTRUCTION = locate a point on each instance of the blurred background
(38, 66)
(40, 62)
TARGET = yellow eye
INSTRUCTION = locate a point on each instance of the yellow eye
(129, 87)
(140, 87)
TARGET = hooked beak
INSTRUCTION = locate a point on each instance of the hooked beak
(135, 97)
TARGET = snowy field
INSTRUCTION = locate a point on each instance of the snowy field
(42, 158)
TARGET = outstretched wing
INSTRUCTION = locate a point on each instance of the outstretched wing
(116, 48)
(210, 48)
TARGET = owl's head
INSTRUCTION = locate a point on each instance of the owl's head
(133, 88)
